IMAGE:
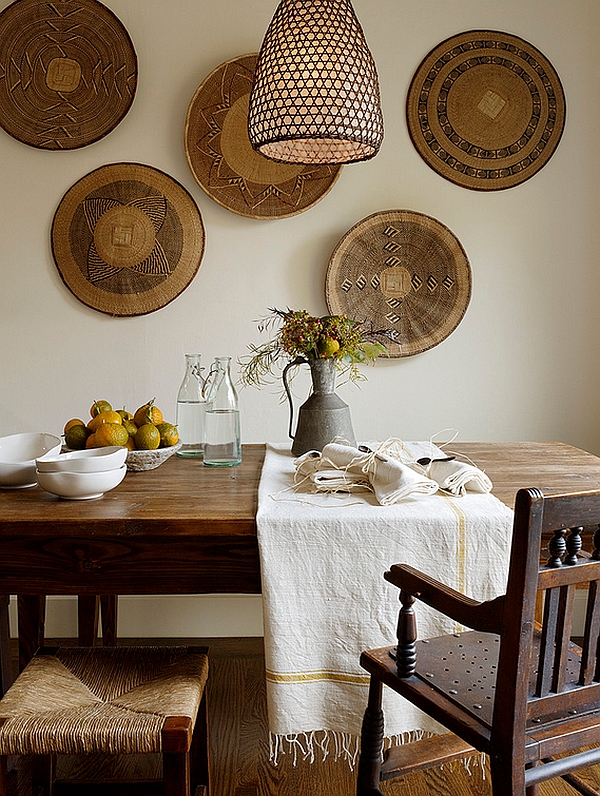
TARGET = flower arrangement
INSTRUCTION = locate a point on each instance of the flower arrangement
(307, 337)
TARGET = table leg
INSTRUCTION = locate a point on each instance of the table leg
(108, 609)
(5, 662)
(32, 617)
(87, 619)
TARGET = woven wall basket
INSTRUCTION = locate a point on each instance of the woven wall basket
(403, 272)
(486, 110)
(223, 162)
(68, 72)
(127, 239)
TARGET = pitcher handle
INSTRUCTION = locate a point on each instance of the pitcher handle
(296, 361)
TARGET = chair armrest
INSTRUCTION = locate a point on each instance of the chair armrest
(482, 616)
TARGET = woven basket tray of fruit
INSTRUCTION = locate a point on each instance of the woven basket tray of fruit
(149, 439)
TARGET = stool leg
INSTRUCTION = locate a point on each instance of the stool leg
(200, 749)
(176, 773)
(3, 775)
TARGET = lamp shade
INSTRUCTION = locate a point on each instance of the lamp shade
(315, 96)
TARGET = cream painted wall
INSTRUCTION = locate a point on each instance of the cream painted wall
(523, 364)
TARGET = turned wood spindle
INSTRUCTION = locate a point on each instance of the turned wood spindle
(596, 553)
(557, 548)
(574, 545)
(407, 635)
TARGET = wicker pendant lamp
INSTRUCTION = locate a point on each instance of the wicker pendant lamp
(315, 97)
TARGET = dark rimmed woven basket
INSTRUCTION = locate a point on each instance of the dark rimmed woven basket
(402, 272)
(68, 72)
(223, 162)
(127, 239)
(486, 110)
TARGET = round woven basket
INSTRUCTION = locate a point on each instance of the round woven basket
(223, 162)
(486, 110)
(69, 72)
(127, 239)
(404, 273)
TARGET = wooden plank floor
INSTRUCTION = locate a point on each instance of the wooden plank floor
(240, 748)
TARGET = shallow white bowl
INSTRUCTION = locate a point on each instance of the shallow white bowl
(81, 486)
(18, 453)
(91, 460)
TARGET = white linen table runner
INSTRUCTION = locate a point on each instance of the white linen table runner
(325, 600)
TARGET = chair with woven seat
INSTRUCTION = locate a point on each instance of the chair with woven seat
(518, 690)
(111, 700)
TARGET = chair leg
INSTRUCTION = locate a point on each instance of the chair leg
(176, 773)
(371, 743)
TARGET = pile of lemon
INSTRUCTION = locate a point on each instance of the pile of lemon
(145, 430)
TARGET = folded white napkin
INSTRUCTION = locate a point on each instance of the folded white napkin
(344, 457)
(338, 481)
(458, 478)
(308, 463)
(391, 479)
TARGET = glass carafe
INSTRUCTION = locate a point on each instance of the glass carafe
(191, 409)
(222, 442)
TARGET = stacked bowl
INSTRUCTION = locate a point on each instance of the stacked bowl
(18, 453)
(84, 474)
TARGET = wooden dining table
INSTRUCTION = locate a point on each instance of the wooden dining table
(184, 528)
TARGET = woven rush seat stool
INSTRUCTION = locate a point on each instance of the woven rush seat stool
(111, 700)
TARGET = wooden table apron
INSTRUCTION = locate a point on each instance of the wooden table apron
(188, 529)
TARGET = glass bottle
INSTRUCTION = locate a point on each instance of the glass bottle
(191, 409)
(222, 442)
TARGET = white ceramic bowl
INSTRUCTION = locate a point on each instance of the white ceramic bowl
(81, 486)
(91, 460)
(18, 453)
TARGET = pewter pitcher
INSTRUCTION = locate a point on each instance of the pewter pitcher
(324, 416)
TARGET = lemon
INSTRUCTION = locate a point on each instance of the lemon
(110, 434)
(99, 406)
(147, 437)
(328, 347)
(74, 422)
(168, 434)
(106, 416)
(148, 413)
(76, 437)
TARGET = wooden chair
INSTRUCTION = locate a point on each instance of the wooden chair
(524, 694)
(115, 701)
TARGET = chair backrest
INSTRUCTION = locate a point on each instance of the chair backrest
(538, 674)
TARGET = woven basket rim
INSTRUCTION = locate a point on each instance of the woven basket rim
(409, 245)
(132, 183)
(26, 26)
(222, 160)
(485, 109)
